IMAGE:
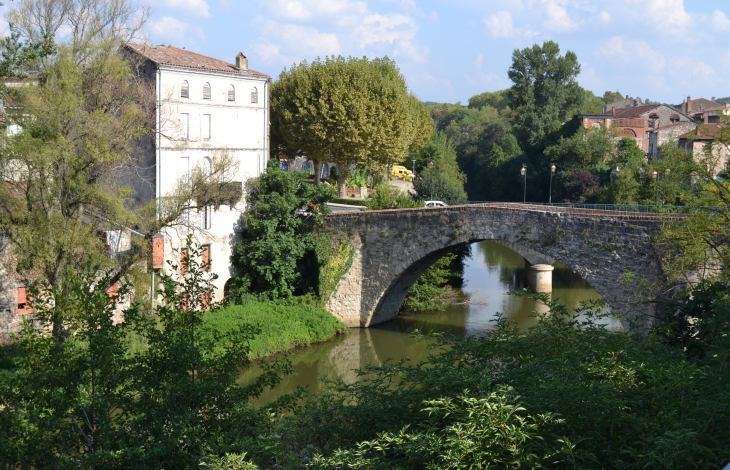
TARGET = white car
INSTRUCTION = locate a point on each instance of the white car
(436, 204)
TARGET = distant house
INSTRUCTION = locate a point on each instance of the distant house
(703, 110)
(649, 125)
(627, 102)
(699, 142)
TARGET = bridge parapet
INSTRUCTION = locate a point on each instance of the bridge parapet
(393, 248)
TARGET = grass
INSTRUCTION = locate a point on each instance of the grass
(282, 326)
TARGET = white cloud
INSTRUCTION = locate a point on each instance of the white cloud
(556, 16)
(605, 17)
(668, 16)
(385, 28)
(589, 78)
(635, 55)
(264, 50)
(720, 21)
(411, 51)
(309, 41)
(501, 25)
(339, 12)
(198, 7)
(168, 27)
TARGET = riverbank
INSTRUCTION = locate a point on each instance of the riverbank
(283, 327)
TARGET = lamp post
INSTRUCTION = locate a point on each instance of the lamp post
(414, 169)
(666, 175)
(523, 172)
(654, 175)
(430, 167)
(552, 172)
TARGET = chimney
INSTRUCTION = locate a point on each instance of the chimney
(613, 111)
(713, 99)
(689, 104)
(627, 96)
(241, 62)
(615, 99)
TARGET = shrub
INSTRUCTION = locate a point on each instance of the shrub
(390, 197)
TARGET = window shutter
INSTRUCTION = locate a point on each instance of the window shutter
(184, 89)
(254, 96)
(231, 93)
(206, 91)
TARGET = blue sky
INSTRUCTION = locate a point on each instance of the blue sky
(450, 50)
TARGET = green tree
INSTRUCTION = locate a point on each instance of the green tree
(347, 111)
(391, 197)
(544, 91)
(277, 230)
(495, 99)
(610, 96)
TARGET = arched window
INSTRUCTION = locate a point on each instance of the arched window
(231, 93)
(207, 166)
(254, 95)
(628, 133)
(184, 89)
(206, 91)
(674, 118)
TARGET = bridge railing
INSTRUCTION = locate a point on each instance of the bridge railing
(629, 208)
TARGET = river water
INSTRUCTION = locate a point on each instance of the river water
(491, 273)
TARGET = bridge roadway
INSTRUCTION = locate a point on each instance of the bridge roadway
(393, 248)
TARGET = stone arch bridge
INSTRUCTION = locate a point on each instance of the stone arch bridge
(393, 248)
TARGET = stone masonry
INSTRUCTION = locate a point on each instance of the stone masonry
(395, 247)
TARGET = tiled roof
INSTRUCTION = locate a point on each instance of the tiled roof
(703, 132)
(636, 111)
(176, 57)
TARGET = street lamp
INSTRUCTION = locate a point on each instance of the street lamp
(552, 172)
(666, 175)
(523, 172)
(414, 169)
(654, 175)
(430, 167)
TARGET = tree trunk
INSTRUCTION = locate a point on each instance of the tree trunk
(317, 170)
(341, 178)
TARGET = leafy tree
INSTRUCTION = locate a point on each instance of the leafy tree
(277, 233)
(610, 96)
(581, 186)
(434, 185)
(495, 99)
(544, 91)
(391, 197)
(445, 180)
(95, 403)
(347, 111)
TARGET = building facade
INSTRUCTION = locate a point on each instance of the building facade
(207, 109)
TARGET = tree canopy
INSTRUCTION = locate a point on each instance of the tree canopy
(347, 111)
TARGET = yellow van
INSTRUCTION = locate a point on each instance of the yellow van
(401, 172)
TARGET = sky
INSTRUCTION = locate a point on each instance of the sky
(449, 50)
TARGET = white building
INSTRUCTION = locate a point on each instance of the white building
(206, 108)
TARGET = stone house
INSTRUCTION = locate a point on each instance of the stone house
(206, 108)
(627, 102)
(699, 142)
(649, 125)
(704, 110)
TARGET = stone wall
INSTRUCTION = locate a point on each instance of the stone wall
(10, 321)
(394, 248)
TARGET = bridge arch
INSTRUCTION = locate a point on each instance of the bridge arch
(394, 248)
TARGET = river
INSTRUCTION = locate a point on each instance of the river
(490, 274)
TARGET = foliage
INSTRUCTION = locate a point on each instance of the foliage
(350, 201)
(276, 234)
(429, 292)
(581, 186)
(609, 96)
(434, 185)
(569, 393)
(495, 99)
(95, 404)
(391, 197)
(586, 148)
(334, 259)
(544, 90)
(346, 111)
(280, 326)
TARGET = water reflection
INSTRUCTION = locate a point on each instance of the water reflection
(490, 274)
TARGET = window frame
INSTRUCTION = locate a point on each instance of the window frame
(231, 94)
(254, 95)
(207, 129)
(207, 87)
(185, 89)
(184, 125)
